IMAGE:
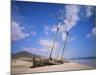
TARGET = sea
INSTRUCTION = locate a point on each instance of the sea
(91, 62)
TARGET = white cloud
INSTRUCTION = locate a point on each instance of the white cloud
(54, 28)
(63, 36)
(88, 35)
(46, 30)
(17, 32)
(92, 33)
(71, 14)
(32, 50)
(62, 28)
(72, 39)
(47, 44)
(69, 38)
(89, 11)
(29, 49)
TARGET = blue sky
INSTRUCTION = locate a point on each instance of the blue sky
(34, 26)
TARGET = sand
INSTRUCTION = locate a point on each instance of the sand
(24, 67)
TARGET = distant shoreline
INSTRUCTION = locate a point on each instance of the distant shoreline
(93, 57)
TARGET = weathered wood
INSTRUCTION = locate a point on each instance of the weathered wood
(38, 62)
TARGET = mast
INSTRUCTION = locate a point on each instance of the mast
(54, 43)
(57, 56)
(64, 44)
(66, 40)
(58, 27)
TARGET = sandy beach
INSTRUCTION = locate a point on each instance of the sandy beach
(24, 67)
